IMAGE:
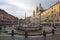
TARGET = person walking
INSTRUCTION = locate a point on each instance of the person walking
(44, 33)
(12, 33)
(53, 31)
(26, 34)
(0, 29)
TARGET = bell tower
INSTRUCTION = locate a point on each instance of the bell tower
(37, 9)
(40, 9)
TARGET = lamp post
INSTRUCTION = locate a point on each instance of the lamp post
(40, 17)
(49, 23)
(53, 19)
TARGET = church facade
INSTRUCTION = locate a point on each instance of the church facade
(36, 18)
(50, 15)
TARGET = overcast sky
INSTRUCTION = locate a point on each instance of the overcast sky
(18, 7)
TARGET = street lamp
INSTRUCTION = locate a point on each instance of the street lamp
(40, 17)
(49, 23)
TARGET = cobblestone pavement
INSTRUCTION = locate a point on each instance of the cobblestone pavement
(52, 37)
(4, 36)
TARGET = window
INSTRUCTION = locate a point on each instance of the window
(45, 20)
(51, 11)
(59, 14)
(59, 7)
(51, 15)
(46, 17)
(57, 20)
(54, 14)
(59, 4)
(1, 17)
(54, 10)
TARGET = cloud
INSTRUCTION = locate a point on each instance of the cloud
(21, 4)
(18, 7)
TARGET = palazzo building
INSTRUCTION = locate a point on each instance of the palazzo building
(7, 19)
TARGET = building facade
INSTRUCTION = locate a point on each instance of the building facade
(24, 21)
(35, 19)
(7, 19)
(50, 15)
